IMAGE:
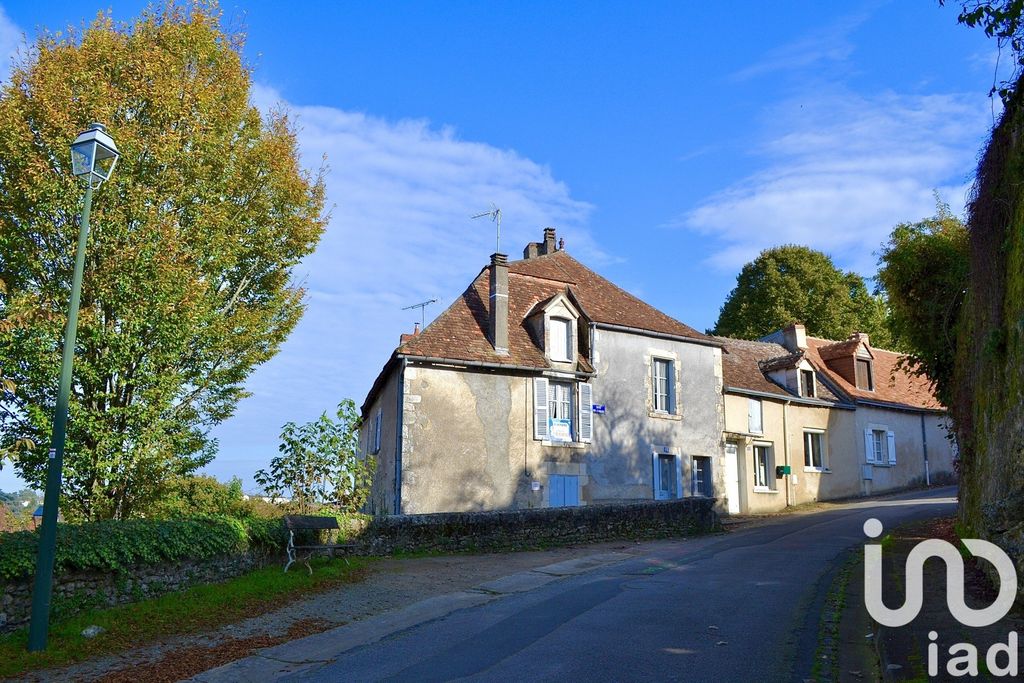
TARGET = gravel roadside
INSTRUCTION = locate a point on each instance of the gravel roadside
(390, 584)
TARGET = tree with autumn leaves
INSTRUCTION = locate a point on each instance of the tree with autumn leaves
(188, 280)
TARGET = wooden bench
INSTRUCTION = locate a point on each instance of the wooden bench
(312, 523)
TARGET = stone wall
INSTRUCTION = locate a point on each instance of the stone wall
(456, 531)
(79, 591)
(503, 529)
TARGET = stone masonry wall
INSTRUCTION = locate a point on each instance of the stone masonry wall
(78, 591)
(503, 529)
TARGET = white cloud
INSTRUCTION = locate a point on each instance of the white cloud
(841, 170)
(10, 40)
(402, 194)
(826, 44)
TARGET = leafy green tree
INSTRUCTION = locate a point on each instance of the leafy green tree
(188, 280)
(798, 284)
(924, 269)
(193, 495)
(319, 465)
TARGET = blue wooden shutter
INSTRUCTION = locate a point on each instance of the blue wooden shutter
(679, 476)
(891, 437)
(670, 388)
(572, 490)
(586, 432)
(656, 479)
(540, 408)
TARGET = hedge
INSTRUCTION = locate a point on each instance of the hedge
(115, 545)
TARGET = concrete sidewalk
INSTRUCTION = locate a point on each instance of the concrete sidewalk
(312, 651)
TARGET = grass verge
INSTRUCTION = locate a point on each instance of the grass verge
(826, 655)
(198, 608)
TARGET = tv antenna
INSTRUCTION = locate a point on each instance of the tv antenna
(495, 214)
(422, 306)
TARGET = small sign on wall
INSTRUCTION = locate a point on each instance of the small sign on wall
(560, 429)
(598, 408)
(535, 486)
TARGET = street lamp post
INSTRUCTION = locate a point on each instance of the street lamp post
(93, 157)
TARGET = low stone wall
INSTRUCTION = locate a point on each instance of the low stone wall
(459, 531)
(504, 529)
(78, 591)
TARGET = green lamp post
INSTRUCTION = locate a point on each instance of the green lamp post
(93, 157)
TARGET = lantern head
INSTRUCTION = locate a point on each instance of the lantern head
(94, 154)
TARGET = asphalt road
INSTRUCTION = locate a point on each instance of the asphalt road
(737, 607)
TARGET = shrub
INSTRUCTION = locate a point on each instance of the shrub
(115, 545)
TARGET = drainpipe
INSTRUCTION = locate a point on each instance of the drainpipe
(398, 436)
(924, 441)
(785, 448)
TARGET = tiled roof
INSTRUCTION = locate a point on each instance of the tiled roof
(461, 332)
(744, 364)
(892, 385)
(782, 362)
(830, 350)
(603, 301)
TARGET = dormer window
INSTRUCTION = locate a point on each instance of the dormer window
(864, 379)
(560, 340)
(807, 388)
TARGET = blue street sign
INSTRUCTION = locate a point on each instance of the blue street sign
(598, 408)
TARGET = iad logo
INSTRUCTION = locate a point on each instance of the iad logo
(965, 663)
(934, 547)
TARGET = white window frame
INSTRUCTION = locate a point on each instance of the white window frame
(805, 391)
(669, 379)
(823, 448)
(755, 406)
(769, 467)
(552, 397)
(656, 478)
(875, 453)
(693, 476)
(560, 350)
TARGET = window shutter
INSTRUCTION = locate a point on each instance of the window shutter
(657, 476)
(891, 437)
(671, 381)
(679, 476)
(754, 416)
(376, 431)
(654, 383)
(586, 412)
(540, 408)
(869, 446)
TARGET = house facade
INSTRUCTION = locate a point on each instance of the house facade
(544, 384)
(811, 419)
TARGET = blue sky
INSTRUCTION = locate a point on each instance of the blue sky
(667, 142)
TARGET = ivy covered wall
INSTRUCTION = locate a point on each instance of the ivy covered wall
(989, 387)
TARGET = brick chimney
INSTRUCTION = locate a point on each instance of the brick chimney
(409, 337)
(548, 246)
(499, 303)
(549, 241)
(794, 337)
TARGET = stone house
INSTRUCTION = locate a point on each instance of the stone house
(545, 385)
(843, 417)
